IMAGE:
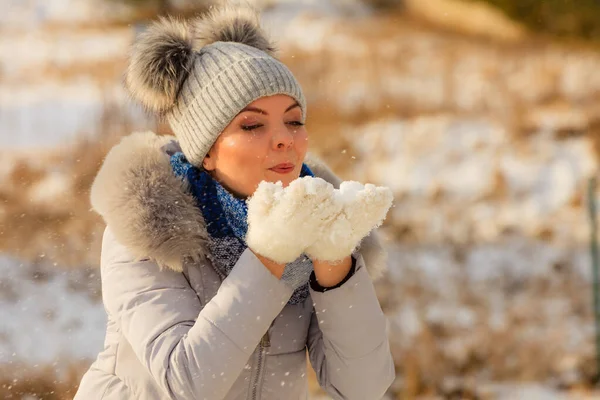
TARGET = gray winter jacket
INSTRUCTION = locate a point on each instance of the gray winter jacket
(177, 331)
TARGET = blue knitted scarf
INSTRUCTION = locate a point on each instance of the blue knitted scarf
(226, 219)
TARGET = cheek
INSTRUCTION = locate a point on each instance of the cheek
(242, 160)
(243, 150)
(301, 142)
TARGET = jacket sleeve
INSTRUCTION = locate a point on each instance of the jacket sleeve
(347, 341)
(192, 351)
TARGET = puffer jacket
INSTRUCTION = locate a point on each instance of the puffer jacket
(176, 330)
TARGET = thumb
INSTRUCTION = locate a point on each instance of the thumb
(369, 208)
(264, 198)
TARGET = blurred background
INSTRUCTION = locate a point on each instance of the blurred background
(483, 116)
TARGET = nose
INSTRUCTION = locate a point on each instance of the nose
(283, 139)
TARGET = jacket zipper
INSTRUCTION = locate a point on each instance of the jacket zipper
(264, 343)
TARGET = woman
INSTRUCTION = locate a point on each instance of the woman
(228, 253)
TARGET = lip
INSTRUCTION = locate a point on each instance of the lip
(283, 168)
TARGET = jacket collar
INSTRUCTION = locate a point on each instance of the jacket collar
(152, 213)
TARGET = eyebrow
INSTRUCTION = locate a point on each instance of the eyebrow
(261, 111)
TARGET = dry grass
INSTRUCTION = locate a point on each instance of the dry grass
(39, 221)
(103, 72)
(21, 382)
(62, 230)
(535, 342)
(25, 382)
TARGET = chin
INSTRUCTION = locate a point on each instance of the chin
(286, 182)
(285, 179)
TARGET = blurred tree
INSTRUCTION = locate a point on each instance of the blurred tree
(577, 18)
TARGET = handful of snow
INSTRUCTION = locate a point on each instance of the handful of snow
(363, 208)
(311, 216)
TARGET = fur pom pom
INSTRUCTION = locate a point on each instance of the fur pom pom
(230, 23)
(160, 61)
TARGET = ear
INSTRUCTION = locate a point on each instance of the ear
(208, 162)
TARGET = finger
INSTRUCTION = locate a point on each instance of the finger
(349, 190)
(303, 194)
(317, 186)
(369, 208)
(295, 190)
(264, 198)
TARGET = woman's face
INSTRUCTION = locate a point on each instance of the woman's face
(265, 141)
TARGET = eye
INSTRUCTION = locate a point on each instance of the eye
(295, 123)
(251, 127)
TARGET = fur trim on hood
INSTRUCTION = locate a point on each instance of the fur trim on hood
(153, 214)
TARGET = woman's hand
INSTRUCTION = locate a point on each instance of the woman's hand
(275, 268)
(329, 274)
(311, 216)
(363, 208)
(283, 222)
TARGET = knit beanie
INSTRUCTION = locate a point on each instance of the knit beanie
(200, 74)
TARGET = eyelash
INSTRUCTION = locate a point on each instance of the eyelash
(250, 127)
(253, 127)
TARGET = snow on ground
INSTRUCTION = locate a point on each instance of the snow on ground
(24, 55)
(487, 270)
(30, 14)
(57, 113)
(469, 178)
(50, 89)
(527, 392)
(48, 314)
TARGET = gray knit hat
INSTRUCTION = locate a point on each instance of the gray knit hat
(201, 74)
